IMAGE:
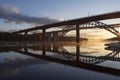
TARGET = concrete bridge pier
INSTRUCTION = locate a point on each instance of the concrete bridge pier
(26, 33)
(77, 41)
(77, 34)
(44, 35)
(43, 40)
(26, 36)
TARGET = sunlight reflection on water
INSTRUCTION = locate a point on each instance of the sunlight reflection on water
(16, 66)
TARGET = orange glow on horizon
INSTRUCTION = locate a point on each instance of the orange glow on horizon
(93, 34)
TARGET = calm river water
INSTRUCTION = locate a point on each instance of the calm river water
(90, 60)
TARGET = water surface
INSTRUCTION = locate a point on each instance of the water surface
(68, 61)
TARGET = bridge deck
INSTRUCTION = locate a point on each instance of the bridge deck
(76, 21)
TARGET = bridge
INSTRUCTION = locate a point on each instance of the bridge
(76, 24)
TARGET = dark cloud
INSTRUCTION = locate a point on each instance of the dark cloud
(12, 14)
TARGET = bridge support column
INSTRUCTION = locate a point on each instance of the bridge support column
(26, 36)
(44, 35)
(26, 33)
(77, 34)
(43, 40)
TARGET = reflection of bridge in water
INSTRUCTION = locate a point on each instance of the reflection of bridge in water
(72, 59)
(114, 56)
(82, 23)
(57, 48)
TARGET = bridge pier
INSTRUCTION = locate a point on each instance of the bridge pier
(43, 40)
(26, 33)
(44, 35)
(77, 34)
(26, 36)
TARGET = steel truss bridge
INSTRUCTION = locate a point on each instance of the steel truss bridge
(76, 24)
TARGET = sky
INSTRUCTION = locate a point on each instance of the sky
(22, 14)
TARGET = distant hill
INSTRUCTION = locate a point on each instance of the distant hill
(113, 39)
(7, 36)
(71, 39)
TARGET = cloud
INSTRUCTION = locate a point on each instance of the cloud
(12, 14)
(1, 30)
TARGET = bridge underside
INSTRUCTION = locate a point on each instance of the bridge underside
(57, 35)
(77, 24)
